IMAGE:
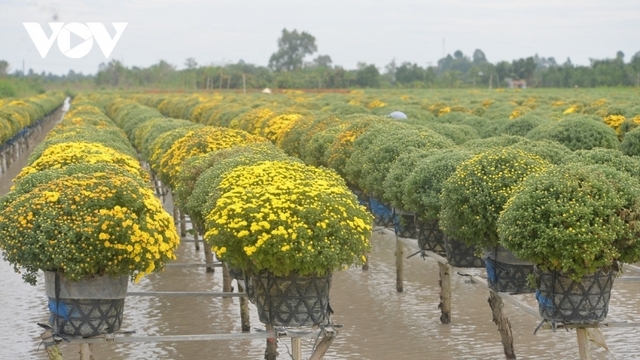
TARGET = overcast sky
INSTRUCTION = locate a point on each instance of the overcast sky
(350, 31)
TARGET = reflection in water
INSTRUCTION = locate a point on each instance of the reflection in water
(379, 323)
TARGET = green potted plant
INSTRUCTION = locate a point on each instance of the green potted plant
(577, 132)
(288, 226)
(472, 199)
(576, 223)
(422, 196)
(404, 222)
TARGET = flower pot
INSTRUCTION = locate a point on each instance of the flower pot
(561, 299)
(88, 307)
(404, 224)
(505, 272)
(363, 198)
(383, 214)
(460, 255)
(291, 300)
(430, 237)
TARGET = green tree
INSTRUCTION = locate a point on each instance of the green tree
(479, 57)
(367, 75)
(190, 63)
(408, 73)
(112, 73)
(635, 66)
(322, 61)
(292, 48)
(4, 67)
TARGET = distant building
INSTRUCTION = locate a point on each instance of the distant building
(518, 84)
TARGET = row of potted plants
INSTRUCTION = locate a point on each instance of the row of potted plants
(287, 225)
(483, 192)
(83, 212)
(16, 115)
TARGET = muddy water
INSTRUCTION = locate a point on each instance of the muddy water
(379, 323)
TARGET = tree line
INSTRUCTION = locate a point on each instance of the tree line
(289, 68)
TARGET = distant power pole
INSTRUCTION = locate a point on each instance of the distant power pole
(23, 68)
(443, 47)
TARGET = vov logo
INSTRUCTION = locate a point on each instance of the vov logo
(62, 32)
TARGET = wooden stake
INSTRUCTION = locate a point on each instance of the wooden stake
(504, 326)
(323, 345)
(271, 353)
(183, 224)
(296, 348)
(399, 270)
(226, 279)
(445, 293)
(365, 263)
(196, 237)
(208, 256)
(583, 344)
(50, 345)
(175, 215)
(85, 352)
(244, 311)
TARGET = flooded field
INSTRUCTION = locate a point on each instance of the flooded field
(379, 323)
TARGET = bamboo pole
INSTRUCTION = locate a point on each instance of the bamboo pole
(583, 343)
(296, 348)
(271, 353)
(226, 279)
(50, 345)
(208, 257)
(85, 352)
(323, 345)
(185, 293)
(175, 215)
(445, 293)
(399, 265)
(183, 225)
(196, 236)
(244, 311)
(504, 326)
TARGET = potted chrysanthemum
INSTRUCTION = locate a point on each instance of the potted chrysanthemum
(576, 223)
(89, 228)
(288, 226)
(472, 199)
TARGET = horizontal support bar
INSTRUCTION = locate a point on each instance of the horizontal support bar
(186, 293)
(632, 267)
(628, 278)
(192, 265)
(125, 338)
(596, 325)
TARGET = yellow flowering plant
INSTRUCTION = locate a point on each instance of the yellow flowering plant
(60, 155)
(200, 175)
(202, 141)
(85, 225)
(340, 150)
(287, 218)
